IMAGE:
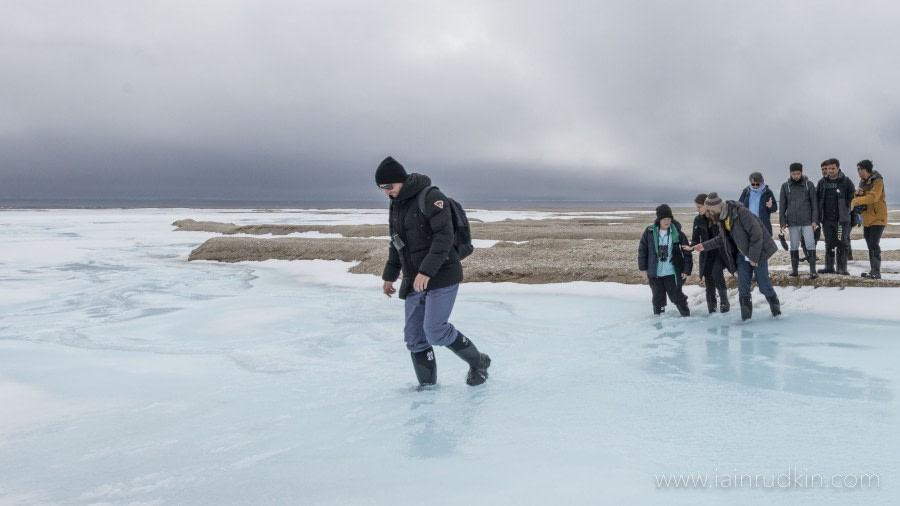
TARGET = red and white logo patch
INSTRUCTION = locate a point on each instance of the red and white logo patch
(439, 203)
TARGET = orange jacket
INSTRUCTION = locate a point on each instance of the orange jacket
(874, 200)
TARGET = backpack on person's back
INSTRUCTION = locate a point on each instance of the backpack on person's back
(462, 231)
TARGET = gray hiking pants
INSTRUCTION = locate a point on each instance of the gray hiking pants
(426, 318)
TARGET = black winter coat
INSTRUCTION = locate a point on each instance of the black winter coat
(702, 232)
(428, 238)
(846, 191)
(648, 252)
(765, 213)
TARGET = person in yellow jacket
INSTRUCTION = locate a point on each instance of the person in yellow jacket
(872, 204)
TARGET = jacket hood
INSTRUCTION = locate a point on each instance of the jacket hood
(729, 205)
(412, 186)
(762, 187)
(874, 177)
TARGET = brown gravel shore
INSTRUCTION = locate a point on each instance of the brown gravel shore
(530, 251)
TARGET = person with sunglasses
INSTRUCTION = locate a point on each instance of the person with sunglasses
(422, 249)
(835, 193)
(872, 205)
(759, 199)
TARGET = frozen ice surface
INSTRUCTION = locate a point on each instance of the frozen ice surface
(130, 376)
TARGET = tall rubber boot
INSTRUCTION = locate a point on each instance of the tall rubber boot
(724, 305)
(874, 266)
(683, 308)
(425, 366)
(746, 307)
(811, 255)
(774, 305)
(658, 310)
(829, 261)
(842, 261)
(711, 302)
(795, 263)
(478, 362)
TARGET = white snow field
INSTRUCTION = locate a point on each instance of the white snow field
(131, 376)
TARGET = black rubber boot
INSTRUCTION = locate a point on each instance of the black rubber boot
(657, 310)
(746, 307)
(829, 261)
(811, 255)
(425, 366)
(711, 302)
(842, 261)
(774, 305)
(478, 362)
(795, 263)
(683, 308)
(724, 305)
(874, 266)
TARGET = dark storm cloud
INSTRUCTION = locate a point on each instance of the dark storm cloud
(536, 100)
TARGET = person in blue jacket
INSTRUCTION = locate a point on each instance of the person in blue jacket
(759, 199)
(663, 261)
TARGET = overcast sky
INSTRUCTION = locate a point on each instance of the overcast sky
(300, 99)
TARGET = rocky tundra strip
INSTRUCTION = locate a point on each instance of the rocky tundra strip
(553, 251)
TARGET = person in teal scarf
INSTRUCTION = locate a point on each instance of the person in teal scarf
(663, 261)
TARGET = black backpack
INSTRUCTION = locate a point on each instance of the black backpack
(462, 239)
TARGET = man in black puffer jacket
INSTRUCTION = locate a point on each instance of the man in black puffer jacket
(422, 249)
(835, 194)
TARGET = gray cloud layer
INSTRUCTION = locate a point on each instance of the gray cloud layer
(623, 100)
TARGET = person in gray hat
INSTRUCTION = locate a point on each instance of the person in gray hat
(422, 249)
(746, 245)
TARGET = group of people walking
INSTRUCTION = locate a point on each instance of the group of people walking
(733, 235)
(737, 235)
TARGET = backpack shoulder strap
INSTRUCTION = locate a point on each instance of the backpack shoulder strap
(423, 194)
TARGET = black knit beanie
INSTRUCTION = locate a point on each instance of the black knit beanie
(796, 167)
(664, 211)
(390, 171)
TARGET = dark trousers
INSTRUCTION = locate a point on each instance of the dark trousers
(873, 240)
(837, 235)
(666, 285)
(714, 275)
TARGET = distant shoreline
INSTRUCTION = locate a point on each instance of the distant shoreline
(529, 205)
(500, 205)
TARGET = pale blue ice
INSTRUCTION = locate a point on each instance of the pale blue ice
(131, 376)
